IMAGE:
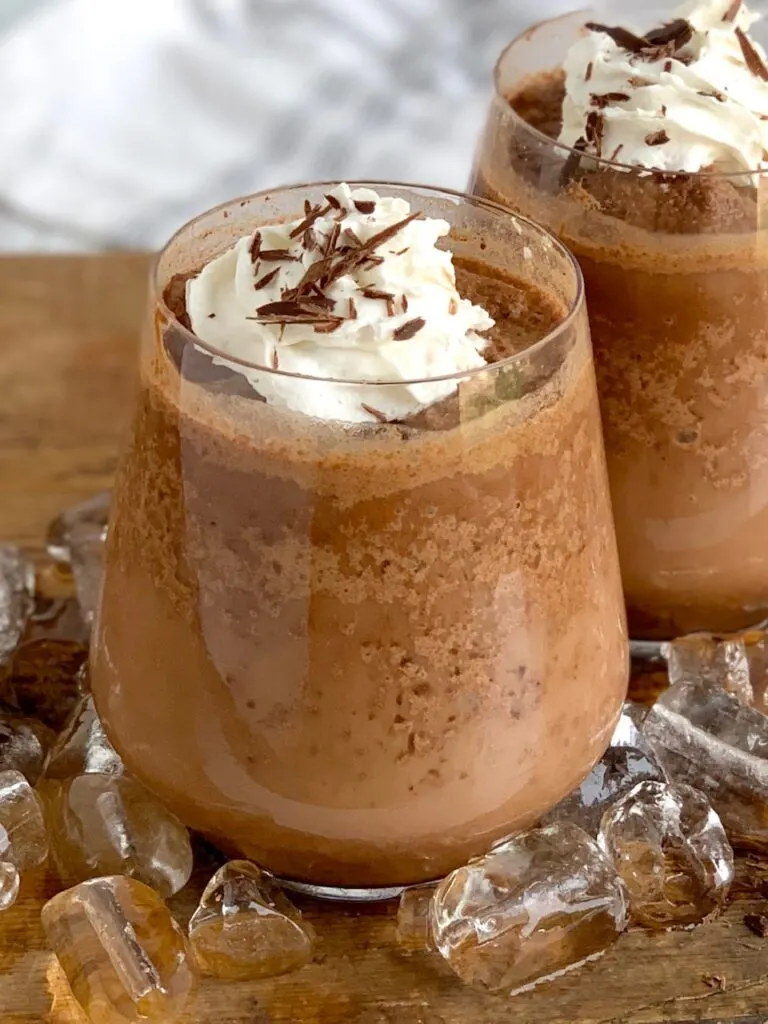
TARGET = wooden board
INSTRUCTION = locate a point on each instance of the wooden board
(68, 346)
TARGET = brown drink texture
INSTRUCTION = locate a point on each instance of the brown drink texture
(360, 653)
(676, 270)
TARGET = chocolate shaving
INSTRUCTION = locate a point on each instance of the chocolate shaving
(752, 58)
(453, 306)
(621, 36)
(661, 42)
(364, 205)
(376, 413)
(607, 98)
(668, 66)
(659, 138)
(677, 33)
(264, 281)
(333, 202)
(401, 252)
(352, 314)
(332, 239)
(289, 311)
(374, 293)
(318, 300)
(314, 307)
(615, 153)
(211, 316)
(572, 165)
(714, 94)
(307, 303)
(311, 215)
(329, 327)
(404, 303)
(590, 69)
(409, 329)
(275, 360)
(276, 255)
(255, 246)
(732, 13)
(663, 109)
(595, 131)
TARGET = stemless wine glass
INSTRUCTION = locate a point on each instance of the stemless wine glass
(676, 270)
(360, 653)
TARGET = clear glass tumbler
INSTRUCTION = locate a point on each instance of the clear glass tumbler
(360, 653)
(676, 271)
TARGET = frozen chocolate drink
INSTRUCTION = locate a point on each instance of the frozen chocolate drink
(362, 611)
(644, 148)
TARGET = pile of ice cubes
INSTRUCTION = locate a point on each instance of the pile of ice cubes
(644, 840)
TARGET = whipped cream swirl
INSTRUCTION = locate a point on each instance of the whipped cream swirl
(684, 97)
(379, 306)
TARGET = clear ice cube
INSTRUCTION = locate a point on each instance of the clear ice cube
(538, 905)
(17, 589)
(23, 838)
(82, 748)
(628, 760)
(23, 745)
(110, 824)
(706, 738)
(246, 927)
(670, 848)
(77, 537)
(10, 882)
(125, 958)
(413, 917)
(704, 658)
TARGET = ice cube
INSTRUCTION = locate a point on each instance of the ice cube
(17, 589)
(706, 738)
(83, 747)
(22, 825)
(10, 881)
(110, 824)
(85, 520)
(23, 743)
(413, 915)
(704, 658)
(124, 956)
(626, 762)
(538, 905)
(245, 927)
(77, 537)
(670, 848)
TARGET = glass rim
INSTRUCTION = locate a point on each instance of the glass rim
(574, 309)
(568, 151)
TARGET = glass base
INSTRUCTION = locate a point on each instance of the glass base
(646, 652)
(339, 895)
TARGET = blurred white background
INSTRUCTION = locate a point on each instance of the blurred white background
(123, 118)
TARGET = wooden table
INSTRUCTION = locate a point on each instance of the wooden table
(68, 349)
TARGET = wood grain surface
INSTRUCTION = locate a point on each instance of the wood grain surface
(68, 347)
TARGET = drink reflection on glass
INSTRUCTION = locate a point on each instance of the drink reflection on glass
(643, 150)
(362, 611)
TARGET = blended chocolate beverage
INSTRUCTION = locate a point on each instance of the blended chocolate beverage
(645, 152)
(362, 612)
